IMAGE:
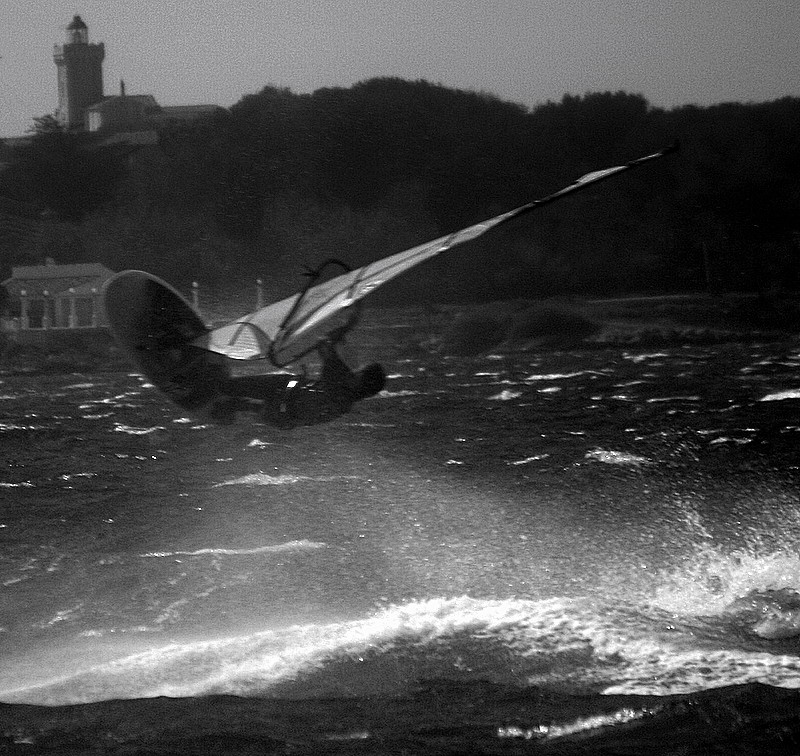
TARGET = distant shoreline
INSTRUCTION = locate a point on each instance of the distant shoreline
(465, 329)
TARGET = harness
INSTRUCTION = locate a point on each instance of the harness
(283, 407)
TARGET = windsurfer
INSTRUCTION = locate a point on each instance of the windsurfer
(286, 401)
(189, 362)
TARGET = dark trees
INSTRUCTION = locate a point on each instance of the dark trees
(66, 173)
(283, 180)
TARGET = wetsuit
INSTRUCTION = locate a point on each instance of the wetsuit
(286, 401)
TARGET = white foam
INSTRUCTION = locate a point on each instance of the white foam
(373, 425)
(528, 460)
(779, 396)
(506, 395)
(611, 457)
(617, 648)
(778, 624)
(14, 581)
(65, 615)
(559, 376)
(263, 479)
(711, 579)
(114, 400)
(673, 672)
(135, 431)
(655, 400)
(302, 545)
(730, 440)
(250, 665)
(105, 632)
(644, 357)
(582, 724)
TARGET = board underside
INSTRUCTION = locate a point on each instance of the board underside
(155, 326)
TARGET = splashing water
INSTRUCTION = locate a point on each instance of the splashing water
(712, 579)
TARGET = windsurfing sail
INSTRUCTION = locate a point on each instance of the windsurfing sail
(286, 330)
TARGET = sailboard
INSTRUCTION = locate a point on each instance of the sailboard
(286, 330)
(155, 326)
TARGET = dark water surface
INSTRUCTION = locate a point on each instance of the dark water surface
(522, 528)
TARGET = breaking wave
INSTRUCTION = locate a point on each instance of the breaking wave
(609, 649)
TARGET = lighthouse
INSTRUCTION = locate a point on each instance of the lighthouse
(80, 74)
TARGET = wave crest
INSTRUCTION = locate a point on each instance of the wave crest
(302, 545)
(551, 642)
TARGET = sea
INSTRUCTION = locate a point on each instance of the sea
(589, 550)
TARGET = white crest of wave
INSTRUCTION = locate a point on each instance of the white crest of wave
(611, 457)
(545, 640)
(136, 431)
(559, 376)
(116, 401)
(528, 460)
(302, 545)
(258, 443)
(583, 724)
(781, 395)
(253, 664)
(262, 479)
(665, 399)
(687, 671)
(636, 358)
(505, 395)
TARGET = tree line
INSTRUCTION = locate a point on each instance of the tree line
(280, 181)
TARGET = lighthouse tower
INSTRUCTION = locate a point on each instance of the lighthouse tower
(80, 74)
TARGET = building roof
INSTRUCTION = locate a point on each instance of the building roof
(146, 101)
(39, 272)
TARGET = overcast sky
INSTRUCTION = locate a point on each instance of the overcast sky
(673, 52)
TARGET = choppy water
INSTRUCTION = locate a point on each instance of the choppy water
(613, 521)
